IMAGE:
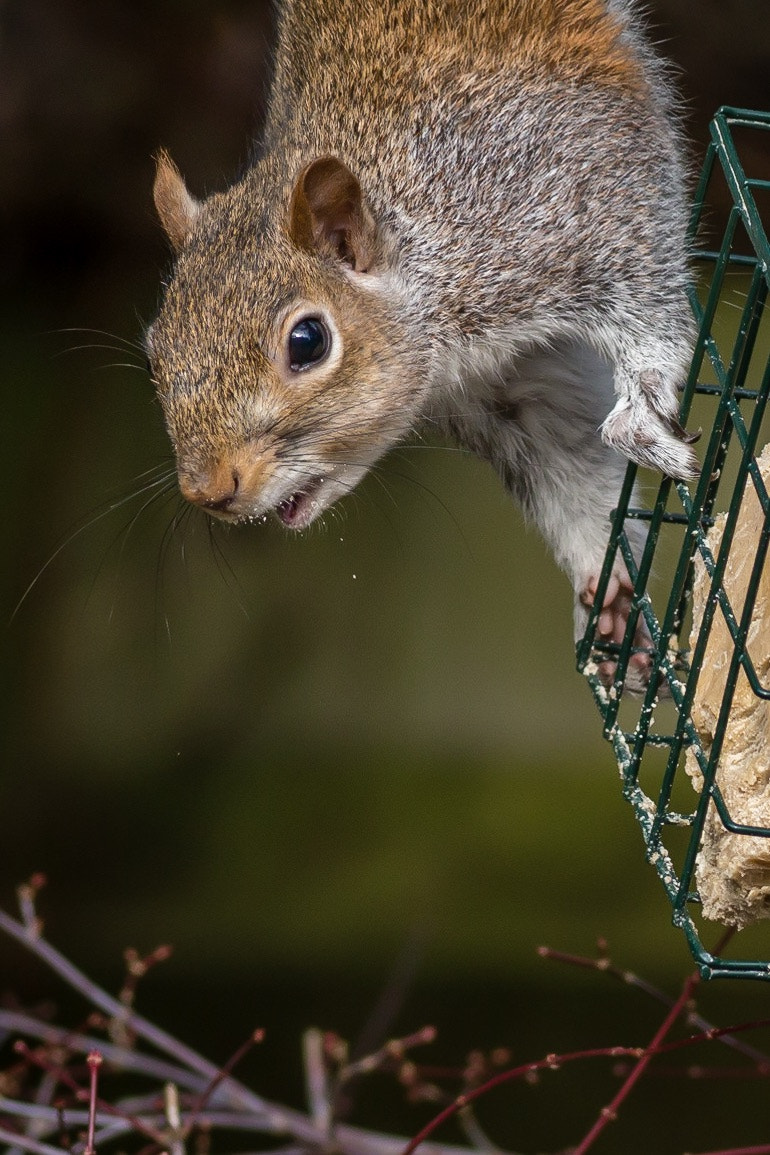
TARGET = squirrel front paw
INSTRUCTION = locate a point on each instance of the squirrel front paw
(643, 429)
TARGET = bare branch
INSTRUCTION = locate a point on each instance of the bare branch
(317, 1083)
(26, 1143)
(603, 964)
(282, 1120)
(200, 1097)
(24, 1024)
(610, 1113)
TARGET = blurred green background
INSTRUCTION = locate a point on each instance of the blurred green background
(351, 776)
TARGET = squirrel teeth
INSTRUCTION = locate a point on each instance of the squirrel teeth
(299, 509)
(287, 509)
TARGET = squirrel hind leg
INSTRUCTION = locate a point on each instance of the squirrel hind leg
(641, 430)
(611, 627)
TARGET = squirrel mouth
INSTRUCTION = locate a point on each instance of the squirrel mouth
(299, 508)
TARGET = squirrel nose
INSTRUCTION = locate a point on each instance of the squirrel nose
(216, 493)
(220, 504)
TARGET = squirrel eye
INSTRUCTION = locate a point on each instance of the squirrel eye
(308, 343)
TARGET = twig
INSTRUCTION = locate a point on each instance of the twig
(317, 1082)
(763, 1149)
(549, 1063)
(349, 1139)
(173, 1118)
(94, 1061)
(394, 1050)
(698, 1073)
(63, 1076)
(554, 1062)
(105, 1002)
(609, 1113)
(112, 1006)
(26, 895)
(605, 966)
(474, 1132)
(327, 1070)
(281, 1119)
(208, 1092)
(120, 1025)
(19, 1023)
(714, 1033)
(24, 1141)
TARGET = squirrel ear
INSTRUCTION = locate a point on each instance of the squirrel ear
(327, 213)
(175, 207)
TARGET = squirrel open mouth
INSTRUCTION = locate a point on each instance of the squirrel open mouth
(299, 508)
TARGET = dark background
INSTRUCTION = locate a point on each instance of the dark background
(312, 764)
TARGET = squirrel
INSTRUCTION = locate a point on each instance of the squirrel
(466, 213)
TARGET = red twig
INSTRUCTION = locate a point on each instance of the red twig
(604, 965)
(763, 1149)
(201, 1100)
(609, 1113)
(553, 1062)
(63, 1076)
(714, 1033)
(94, 1061)
(549, 1063)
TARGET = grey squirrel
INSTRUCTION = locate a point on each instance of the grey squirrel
(465, 213)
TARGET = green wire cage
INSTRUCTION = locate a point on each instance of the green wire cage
(655, 736)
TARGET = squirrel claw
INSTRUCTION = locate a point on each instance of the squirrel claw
(684, 434)
(649, 440)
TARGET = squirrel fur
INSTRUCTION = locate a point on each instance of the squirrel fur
(467, 213)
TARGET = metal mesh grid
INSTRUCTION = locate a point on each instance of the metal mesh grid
(726, 394)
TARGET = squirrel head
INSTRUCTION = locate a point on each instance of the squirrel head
(281, 356)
